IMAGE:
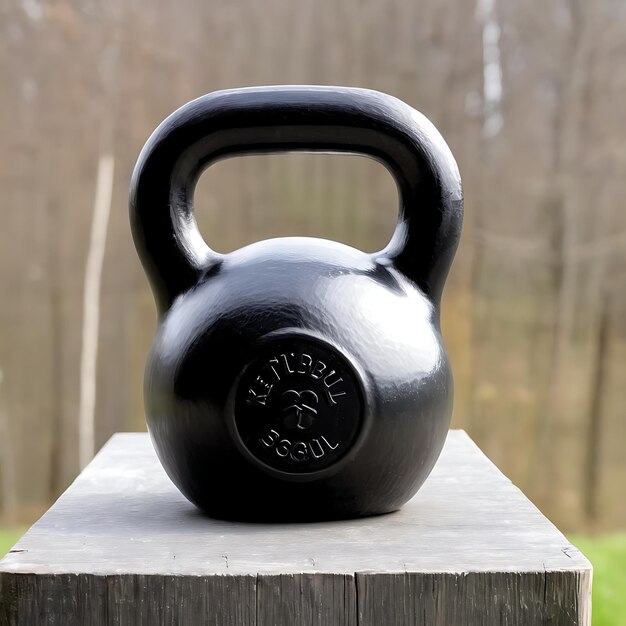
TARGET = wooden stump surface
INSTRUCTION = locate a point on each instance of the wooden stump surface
(123, 546)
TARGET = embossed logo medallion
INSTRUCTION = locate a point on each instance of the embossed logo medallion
(298, 406)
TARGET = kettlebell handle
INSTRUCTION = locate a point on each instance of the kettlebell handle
(261, 120)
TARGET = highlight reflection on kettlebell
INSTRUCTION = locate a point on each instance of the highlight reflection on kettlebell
(297, 378)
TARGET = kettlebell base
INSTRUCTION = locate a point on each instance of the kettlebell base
(258, 498)
(245, 514)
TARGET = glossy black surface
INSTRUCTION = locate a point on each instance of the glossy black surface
(297, 378)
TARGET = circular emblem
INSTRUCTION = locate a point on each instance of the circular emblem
(298, 406)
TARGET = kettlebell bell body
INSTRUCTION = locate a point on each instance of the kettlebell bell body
(297, 378)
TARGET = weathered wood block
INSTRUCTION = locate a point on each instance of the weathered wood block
(122, 546)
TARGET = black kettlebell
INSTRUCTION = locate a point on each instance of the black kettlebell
(297, 378)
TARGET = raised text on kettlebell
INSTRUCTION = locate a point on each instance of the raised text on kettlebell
(298, 450)
(284, 365)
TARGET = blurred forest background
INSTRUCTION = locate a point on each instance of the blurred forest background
(531, 98)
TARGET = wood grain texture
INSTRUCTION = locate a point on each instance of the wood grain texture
(122, 546)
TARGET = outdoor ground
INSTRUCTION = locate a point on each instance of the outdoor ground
(608, 557)
(606, 553)
(7, 539)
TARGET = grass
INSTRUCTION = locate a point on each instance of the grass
(8, 539)
(606, 553)
(608, 557)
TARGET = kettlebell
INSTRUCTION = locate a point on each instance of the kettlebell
(297, 378)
